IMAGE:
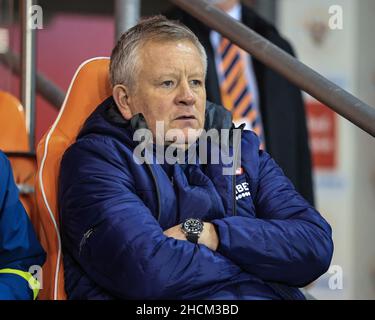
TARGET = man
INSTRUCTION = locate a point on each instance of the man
(20, 251)
(280, 120)
(178, 231)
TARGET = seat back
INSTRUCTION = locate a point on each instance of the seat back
(14, 141)
(88, 88)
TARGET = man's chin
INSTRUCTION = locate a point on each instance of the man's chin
(187, 135)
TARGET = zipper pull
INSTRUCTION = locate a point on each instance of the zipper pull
(84, 239)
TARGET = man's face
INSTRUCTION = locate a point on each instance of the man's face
(170, 86)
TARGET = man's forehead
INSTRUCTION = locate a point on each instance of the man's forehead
(153, 48)
(170, 60)
(160, 73)
(164, 69)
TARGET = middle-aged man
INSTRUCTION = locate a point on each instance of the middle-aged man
(156, 230)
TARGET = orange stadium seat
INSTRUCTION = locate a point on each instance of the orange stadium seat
(89, 87)
(14, 141)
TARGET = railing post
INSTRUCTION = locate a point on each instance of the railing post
(127, 13)
(28, 64)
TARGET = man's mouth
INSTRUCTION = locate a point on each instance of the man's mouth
(186, 117)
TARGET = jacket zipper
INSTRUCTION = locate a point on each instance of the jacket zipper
(156, 188)
(234, 194)
(234, 173)
(233, 182)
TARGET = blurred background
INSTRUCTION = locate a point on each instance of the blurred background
(343, 155)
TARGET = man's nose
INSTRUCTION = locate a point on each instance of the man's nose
(185, 95)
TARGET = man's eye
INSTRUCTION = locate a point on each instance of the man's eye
(196, 83)
(167, 83)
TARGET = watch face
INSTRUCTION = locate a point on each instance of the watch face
(193, 226)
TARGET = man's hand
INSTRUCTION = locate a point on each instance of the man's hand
(175, 232)
(208, 237)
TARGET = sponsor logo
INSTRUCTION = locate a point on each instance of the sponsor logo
(242, 190)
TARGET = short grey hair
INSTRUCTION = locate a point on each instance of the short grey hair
(124, 58)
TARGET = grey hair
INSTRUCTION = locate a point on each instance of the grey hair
(124, 57)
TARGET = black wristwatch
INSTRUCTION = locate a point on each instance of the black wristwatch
(192, 228)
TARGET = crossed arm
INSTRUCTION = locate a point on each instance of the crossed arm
(286, 240)
(208, 237)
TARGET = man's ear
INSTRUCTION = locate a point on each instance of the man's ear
(120, 94)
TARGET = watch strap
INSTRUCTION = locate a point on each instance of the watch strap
(192, 238)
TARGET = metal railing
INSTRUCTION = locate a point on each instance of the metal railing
(44, 86)
(333, 96)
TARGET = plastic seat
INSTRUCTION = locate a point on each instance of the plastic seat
(89, 87)
(14, 141)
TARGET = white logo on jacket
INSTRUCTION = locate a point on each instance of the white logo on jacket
(242, 190)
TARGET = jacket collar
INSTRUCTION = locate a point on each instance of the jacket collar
(216, 117)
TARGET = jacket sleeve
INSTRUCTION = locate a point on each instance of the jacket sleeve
(115, 238)
(19, 247)
(286, 240)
